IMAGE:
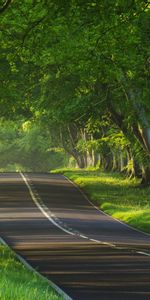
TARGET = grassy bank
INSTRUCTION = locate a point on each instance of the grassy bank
(122, 198)
(19, 283)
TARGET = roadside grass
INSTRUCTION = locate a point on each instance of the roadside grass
(19, 283)
(119, 197)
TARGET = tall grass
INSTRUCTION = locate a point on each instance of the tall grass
(118, 196)
(19, 283)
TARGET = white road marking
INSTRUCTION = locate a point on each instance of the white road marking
(104, 243)
(49, 216)
(40, 206)
(52, 217)
(96, 241)
(83, 236)
(143, 253)
(57, 222)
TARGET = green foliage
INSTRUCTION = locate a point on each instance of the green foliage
(78, 63)
(8, 140)
(115, 195)
(17, 282)
(26, 146)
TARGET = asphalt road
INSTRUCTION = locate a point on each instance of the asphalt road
(47, 220)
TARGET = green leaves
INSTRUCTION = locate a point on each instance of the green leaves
(72, 62)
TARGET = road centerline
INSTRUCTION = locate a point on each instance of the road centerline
(50, 215)
(58, 222)
(84, 268)
(42, 207)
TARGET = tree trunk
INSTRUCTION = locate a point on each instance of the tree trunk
(145, 176)
(96, 158)
(122, 162)
(69, 143)
(145, 133)
(80, 161)
(115, 162)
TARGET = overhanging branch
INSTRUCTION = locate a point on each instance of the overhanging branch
(5, 6)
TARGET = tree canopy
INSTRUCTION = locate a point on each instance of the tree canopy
(82, 69)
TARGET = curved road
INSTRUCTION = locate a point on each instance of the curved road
(49, 222)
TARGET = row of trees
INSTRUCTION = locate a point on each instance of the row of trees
(28, 147)
(81, 68)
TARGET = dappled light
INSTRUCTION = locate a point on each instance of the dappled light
(75, 86)
(96, 256)
(75, 149)
(122, 198)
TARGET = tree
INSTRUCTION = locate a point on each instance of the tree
(79, 60)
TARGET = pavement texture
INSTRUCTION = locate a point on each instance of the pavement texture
(82, 250)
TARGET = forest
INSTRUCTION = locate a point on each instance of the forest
(75, 85)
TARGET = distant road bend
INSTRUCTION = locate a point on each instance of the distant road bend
(91, 256)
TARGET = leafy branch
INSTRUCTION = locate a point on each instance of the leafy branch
(5, 6)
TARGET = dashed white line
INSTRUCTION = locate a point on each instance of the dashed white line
(55, 221)
(40, 206)
(52, 217)
(143, 253)
(104, 243)
(83, 236)
(93, 240)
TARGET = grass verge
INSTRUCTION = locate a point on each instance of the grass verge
(122, 198)
(19, 283)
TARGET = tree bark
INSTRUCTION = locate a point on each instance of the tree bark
(145, 176)
(115, 162)
(145, 133)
